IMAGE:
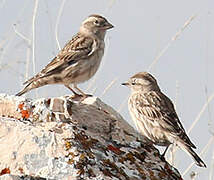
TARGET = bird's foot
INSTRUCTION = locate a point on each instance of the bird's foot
(80, 97)
(162, 157)
(84, 96)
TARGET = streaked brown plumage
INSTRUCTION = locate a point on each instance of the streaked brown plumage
(78, 61)
(154, 115)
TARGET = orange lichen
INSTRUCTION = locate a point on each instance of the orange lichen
(67, 145)
(20, 106)
(5, 171)
(112, 169)
(114, 149)
(90, 155)
(141, 156)
(162, 175)
(85, 141)
(129, 156)
(152, 176)
(106, 172)
(25, 114)
(21, 170)
(91, 173)
(71, 156)
(141, 171)
(82, 157)
(109, 167)
(80, 172)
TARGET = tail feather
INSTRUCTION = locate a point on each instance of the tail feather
(31, 80)
(26, 89)
(195, 157)
(187, 140)
(35, 82)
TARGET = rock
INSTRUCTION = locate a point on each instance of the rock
(61, 138)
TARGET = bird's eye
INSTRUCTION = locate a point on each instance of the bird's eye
(133, 83)
(96, 22)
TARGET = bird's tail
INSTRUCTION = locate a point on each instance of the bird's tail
(26, 89)
(32, 83)
(195, 157)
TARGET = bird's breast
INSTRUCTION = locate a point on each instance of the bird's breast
(85, 68)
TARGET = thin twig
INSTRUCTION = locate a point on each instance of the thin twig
(92, 82)
(27, 63)
(33, 34)
(173, 150)
(93, 90)
(28, 50)
(208, 108)
(211, 167)
(33, 38)
(21, 35)
(110, 5)
(57, 23)
(122, 105)
(173, 147)
(177, 88)
(171, 41)
(50, 21)
(4, 41)
(6, 45)
(200, 113)
(2, 3)
(108, 87)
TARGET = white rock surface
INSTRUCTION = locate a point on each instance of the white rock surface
(60, 138)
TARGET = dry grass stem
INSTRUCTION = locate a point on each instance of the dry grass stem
(21, 35)
(6, 45)
(172, 157)
(92, 82)
(93, 90)
(108, 87)
(33, 42)
(200, 113)
(186, 24)
(122, 105)
(110, 5)
(2, 3)
(57, 22)
(211, 167)
(208, 108)
(34, 33)
(27, 63)
(174, 148)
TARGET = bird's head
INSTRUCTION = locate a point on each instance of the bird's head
(142, 81)
(95, 25)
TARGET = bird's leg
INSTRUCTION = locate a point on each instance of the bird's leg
(72, 90)
(164, 153)
(83, 94)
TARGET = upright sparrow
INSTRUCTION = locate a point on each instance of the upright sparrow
(78, 61)
(154, 115)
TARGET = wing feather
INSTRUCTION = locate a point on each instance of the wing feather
(157, 107)
(78, 47)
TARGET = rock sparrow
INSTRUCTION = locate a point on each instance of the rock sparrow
(154, 115)
(78, 61)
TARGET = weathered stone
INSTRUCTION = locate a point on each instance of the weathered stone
(58, 105)
(84, 140)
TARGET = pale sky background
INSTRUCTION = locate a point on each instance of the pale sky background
(142, 30)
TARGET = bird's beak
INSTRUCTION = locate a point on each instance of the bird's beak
(108, 26)
(125, 84)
